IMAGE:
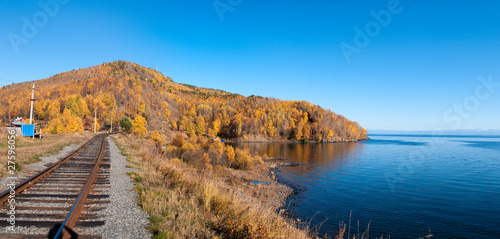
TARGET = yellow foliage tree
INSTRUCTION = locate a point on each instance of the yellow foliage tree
(65, 123)
(192, 112)
(139, 127)
(307, 131)
(77, 106)
(299, 130)
(156, 138)
(211, 133)
(40, 109)
(54, 109)
(73, 123)
(216, 126)
(329, 135)
(230, 155)
(270, 129)
(200, 125)
(216, 152)
(166, 112)
(190, 129)
(55, 126)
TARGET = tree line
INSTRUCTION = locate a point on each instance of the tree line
(121, 91)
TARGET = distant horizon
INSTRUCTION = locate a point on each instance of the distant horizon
(437, 132)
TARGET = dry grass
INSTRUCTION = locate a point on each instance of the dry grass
(202, 200)
(30, 150)
(344, 232)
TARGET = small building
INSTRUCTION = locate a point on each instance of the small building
(88, 125)
(15, 125)
(17, 122)
(28, 130)
(22, 128)
(219, 139)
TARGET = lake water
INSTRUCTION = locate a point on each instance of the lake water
(402, 185)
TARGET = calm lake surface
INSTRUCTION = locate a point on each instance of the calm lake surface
(403, 185)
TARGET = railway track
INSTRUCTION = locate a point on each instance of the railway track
(65, 199)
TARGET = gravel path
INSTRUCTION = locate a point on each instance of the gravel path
(124, 219)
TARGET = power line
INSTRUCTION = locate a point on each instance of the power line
(22, 77)
(6, 81)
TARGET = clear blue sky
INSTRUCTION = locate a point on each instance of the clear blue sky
(416, 67)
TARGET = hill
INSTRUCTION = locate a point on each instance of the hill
(67, 102)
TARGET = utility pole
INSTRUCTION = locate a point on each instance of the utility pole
(95, 120)
(111, 124)
(32, 100)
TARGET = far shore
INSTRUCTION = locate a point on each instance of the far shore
(294, 141)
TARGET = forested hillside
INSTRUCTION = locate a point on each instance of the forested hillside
(67, 102)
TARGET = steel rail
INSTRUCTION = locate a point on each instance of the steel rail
(65, 230)
(4, 196)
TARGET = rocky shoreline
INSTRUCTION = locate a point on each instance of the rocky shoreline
(275, 165)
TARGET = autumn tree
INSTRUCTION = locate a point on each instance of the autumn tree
(40, 109)
(54, 109)
(230, 154)
(200, 125)
(329, 136)
(77, 106)
(307, 131)
(271, 131)
(65, 123)
(165, 111)
(183, 123)
(126, 124)
(178, 140)
(204, 110)
(157, 139)
(216, 152)
(73, 123)
(191, 129)
(216, 126)
(139, 126)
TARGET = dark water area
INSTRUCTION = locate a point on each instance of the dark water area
(402, 185)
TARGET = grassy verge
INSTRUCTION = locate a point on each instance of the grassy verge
(207, 197)
(30, 150)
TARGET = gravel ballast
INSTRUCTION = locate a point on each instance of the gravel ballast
(124, 218)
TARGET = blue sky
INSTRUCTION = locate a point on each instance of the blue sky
(419, 71)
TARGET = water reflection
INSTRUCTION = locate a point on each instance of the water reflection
(319, 160)
(309, 154)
